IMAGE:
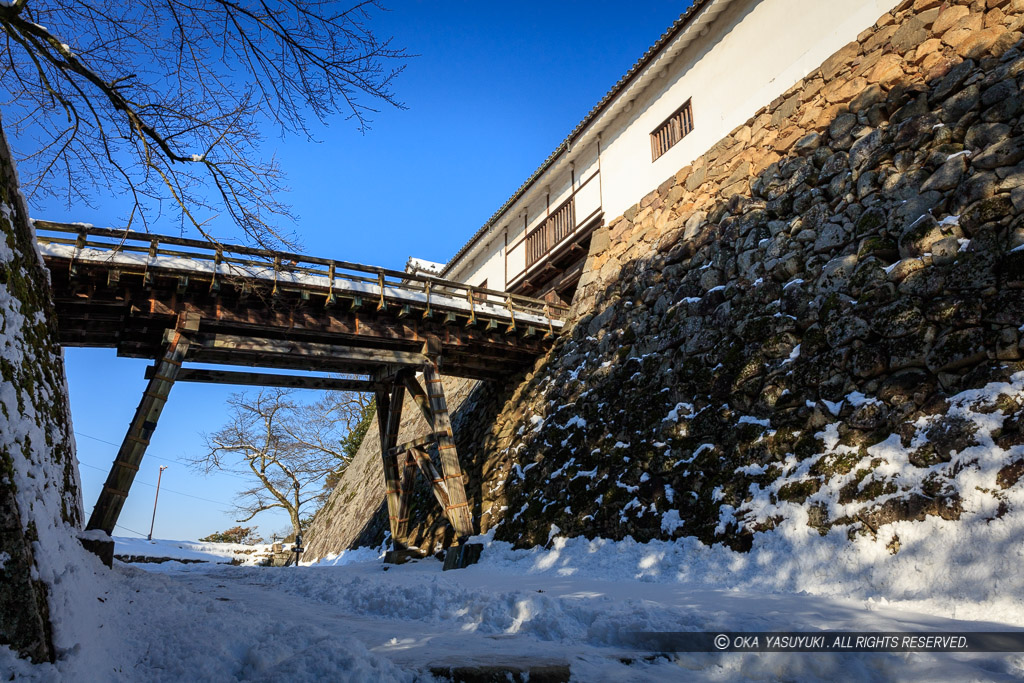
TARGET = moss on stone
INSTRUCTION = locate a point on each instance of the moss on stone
(799, 491)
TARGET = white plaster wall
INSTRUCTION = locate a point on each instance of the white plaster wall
(489, 265)
(488, 258)
(752, 54)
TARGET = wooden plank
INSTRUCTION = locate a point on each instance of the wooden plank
(126, 464)
(406, 465)
(157, 279)
(122, 240)
(261, 379)
(252, 318)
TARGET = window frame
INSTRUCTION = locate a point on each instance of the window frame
(673, 129)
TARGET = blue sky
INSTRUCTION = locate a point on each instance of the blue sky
(495, 88)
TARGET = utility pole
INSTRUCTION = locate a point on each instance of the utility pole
(155, 499)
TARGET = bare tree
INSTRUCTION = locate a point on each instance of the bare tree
(289, 448)
(165, 99)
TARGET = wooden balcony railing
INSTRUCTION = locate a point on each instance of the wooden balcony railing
(556, 228)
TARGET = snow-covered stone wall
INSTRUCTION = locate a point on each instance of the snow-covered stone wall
(40, 507)
(815, 326)
(800, 322)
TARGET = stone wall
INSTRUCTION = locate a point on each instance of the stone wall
(792, 324)
(39, 493)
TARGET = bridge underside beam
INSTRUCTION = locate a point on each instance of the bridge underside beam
(264, 379)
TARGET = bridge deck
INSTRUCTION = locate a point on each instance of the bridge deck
(126, 290)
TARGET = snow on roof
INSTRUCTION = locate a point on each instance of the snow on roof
(418, 265)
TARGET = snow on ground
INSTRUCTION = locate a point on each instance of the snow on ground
(576, 603)
(191, 551)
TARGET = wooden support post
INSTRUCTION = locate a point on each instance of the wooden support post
(389, 415)
(129, 456)
(458, 507)
(381, 305)
(331, 299)
(406, 466)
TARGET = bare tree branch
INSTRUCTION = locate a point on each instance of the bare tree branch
(177, 93)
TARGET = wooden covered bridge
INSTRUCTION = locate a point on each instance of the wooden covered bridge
(182, 302)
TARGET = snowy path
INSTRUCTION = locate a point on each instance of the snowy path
(574, 605)
(478, 616)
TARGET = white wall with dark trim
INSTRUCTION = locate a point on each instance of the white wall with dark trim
(730, 63)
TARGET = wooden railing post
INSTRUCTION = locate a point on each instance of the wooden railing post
(140, 431)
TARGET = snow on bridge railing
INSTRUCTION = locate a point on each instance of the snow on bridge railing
(80, 242)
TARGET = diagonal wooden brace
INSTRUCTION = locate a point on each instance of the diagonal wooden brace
(457, 510)
(122, 473)
(430, 473)
(408, 378)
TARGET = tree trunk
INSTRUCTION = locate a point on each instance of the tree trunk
(296, 526)
(39, 491)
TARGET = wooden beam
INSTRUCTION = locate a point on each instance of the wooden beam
(389, 417)
(230, 342)
(457, 510)
(126, 464)
(261, 379)
(406, 466)
(427, 440)
(418, 395)
(431, 474)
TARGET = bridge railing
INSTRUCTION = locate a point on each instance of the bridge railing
(79, 242)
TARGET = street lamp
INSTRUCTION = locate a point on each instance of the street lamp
(155, 499)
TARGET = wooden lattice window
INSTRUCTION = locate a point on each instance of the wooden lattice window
(671, 131)
(556, 227)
